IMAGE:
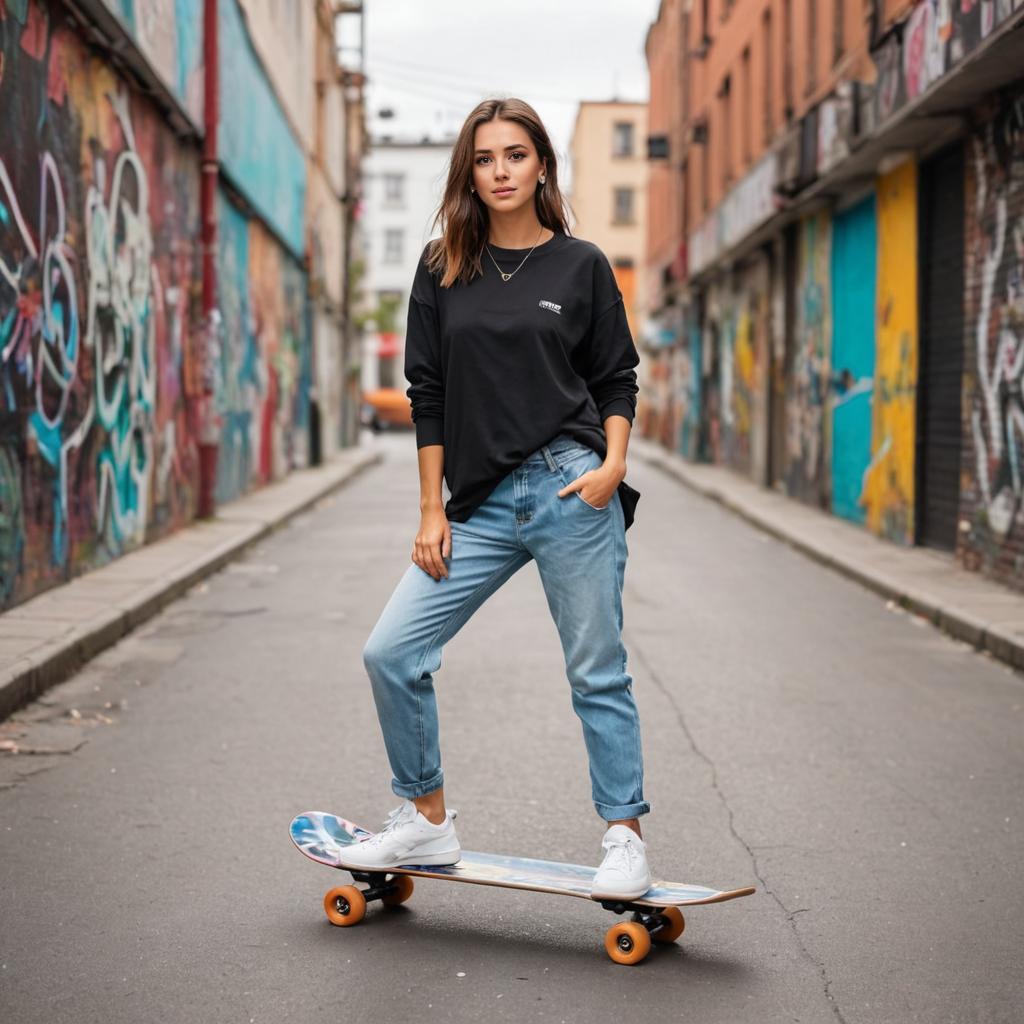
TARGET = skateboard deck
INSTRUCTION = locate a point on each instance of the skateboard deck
(324, 837)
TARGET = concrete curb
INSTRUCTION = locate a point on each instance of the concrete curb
(61, 629)
(964, 605)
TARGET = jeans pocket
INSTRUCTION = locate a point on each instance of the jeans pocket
(602, 508)
(586, 460)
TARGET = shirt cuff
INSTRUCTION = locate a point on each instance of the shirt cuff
(618, 407)
(429, 430)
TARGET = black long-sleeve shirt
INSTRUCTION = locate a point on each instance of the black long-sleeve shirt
(499, 368)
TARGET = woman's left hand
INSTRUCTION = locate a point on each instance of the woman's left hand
(596, 486)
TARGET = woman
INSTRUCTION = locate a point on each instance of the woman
(523, 391)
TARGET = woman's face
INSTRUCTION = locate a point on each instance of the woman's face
(505, 165)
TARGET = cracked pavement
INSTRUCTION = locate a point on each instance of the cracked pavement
(860, 768)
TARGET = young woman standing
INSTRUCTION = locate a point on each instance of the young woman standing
(523, 391)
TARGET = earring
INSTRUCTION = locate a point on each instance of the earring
(471, 190)
(542, 179)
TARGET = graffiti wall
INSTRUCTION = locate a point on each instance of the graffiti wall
(739, 308)
(807, 370)
(265, 356)
(689, 357)
(992, 490)
(889, 478)
(98, 307)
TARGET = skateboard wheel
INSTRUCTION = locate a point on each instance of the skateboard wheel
(674, 925)
(345, 905)
(402, 892)
(628, 942)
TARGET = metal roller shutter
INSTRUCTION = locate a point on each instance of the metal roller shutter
(941, 238)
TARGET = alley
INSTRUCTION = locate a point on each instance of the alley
(860, 768)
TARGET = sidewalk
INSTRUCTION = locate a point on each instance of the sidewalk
(49, 637)
(928, 583)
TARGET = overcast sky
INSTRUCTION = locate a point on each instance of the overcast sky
(432, 61)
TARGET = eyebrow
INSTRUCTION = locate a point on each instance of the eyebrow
(515, 145)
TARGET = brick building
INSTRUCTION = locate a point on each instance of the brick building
(844, 318)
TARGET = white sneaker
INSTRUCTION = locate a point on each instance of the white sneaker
(406, 839)
(623, 874)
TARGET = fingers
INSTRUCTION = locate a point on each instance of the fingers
(428, 557)
(437, 566)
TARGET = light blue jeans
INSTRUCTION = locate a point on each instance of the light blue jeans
(581, 556)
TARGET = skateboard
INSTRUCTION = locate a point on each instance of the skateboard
(656, 916)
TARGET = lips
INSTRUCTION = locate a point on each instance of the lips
(499, 191)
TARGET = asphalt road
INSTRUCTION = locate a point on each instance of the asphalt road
(861, 769)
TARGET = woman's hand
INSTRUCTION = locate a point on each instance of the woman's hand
(597, 486)
(433, 542)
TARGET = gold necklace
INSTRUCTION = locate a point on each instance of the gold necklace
(505, 276)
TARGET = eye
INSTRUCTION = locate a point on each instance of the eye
(480, 159)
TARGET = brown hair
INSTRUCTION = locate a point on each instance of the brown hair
(464, 219)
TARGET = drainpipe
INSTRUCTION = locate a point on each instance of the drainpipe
(209, 431)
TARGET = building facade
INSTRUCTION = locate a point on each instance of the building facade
(404, 183)
(849, 326)
(609, 191)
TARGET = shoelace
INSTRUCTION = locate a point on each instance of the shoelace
(619, 852)
(397, 817)
(393, 820)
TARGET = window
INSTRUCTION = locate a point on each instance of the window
(622, 139)
(746, 114)
(394, 188)
(393, 239)
(787, 65)
(766, 46)
(623, 206)
(705, 171)
(725, 99)
(812, 44)
(837, 30)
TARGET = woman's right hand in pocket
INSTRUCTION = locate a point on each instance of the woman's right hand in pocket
(433, 543)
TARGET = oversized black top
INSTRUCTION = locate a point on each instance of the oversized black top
(499, 368)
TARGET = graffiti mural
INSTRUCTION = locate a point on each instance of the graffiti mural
(98, 273)
(103, 349)
(992, 494)
(888, 496)
(807, 374)
(265, 370)
(740, 311)
(689, 357)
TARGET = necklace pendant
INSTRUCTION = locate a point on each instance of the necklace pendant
(505, 276)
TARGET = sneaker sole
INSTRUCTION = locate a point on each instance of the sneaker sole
(427, 859)
(619, 895)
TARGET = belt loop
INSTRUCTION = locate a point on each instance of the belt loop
(549, 458)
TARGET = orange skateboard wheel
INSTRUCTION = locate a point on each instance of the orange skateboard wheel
(675, 923)
(345, 905)
(628, 942)
(404, 891)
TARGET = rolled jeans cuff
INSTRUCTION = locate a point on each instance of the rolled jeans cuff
(622, 811)
(410, 790)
